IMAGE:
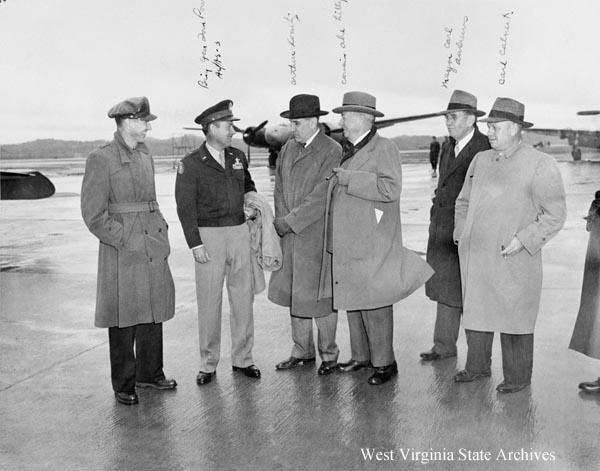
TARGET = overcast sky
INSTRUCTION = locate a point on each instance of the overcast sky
(64, 63)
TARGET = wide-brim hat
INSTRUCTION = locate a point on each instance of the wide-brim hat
(219, 112)
(360, 102)
(132, 108)
(462, 101)
(507, 109)
(304, 106)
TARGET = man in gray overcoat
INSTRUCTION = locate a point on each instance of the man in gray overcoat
(135, 292)
(444, 286)
(366, 267)
(300, 195)
(511, 204)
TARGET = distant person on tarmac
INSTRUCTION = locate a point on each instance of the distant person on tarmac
(135, 293)
(434, 153)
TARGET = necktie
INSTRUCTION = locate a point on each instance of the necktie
(222, 158)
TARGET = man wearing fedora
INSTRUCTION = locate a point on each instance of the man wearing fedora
(366, 268)
(444, 286)
(300, 194)
(209, 190)
(511, 204)
(135, 293)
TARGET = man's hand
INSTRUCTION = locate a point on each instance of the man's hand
(342, 175)
(201, 254)
(282, 227)
(513, 248)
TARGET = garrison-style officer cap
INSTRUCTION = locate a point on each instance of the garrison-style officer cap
(132, 108)
(219, 112)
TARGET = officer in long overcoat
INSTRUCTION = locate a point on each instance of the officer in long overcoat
(300, 195)
(511, 204)
(442, 254)
(135, 292)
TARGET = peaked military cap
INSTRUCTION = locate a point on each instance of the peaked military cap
(219, 112)
(132, 108)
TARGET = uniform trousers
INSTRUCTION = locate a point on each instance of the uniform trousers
(517, 355)
(229, 251)
(145, 366)
(447, 326)
(372, 335)
(302, 335)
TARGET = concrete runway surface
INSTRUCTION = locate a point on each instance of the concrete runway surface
(58, 410)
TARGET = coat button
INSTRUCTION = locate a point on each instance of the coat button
(150, 258)
(160, 229)
(146, 232)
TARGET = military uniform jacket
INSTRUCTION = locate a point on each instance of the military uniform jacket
(209, 195)
(135, 285)
(442, 254)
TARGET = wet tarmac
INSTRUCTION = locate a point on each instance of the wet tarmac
(58, 410)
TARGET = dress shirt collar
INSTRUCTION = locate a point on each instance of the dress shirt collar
(361, 137)
(214, 152)
(460, 145)
(310, 139)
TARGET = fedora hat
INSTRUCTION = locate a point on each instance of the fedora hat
(507, 109)
(304, 106)
(462, 101)
(360, 102)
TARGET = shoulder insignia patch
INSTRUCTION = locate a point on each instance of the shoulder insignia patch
(180, 168)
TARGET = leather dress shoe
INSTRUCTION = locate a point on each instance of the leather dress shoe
(352, 365)
(432, 355)
(591, 386)
(126, 398)
(204, 378)
(465, 376)
(160, 384)
(250, 371)
(327, 367)
(505, 387)
(293, 362)
(383, 374)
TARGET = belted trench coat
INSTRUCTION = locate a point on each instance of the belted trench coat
(135, 285)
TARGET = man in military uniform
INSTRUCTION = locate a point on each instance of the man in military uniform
(209, 190)
(135, 287)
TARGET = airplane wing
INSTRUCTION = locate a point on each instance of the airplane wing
(384, 123)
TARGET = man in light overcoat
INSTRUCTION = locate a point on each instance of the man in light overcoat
(300, 195)
(369, 269)
(511, 204)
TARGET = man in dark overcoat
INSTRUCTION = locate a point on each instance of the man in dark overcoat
(300, 195)
(135, 292)
(444, 286)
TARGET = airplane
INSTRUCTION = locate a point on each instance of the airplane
(576, 138)
(274, 137)
(25, 186)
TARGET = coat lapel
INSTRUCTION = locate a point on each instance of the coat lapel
(207, 159)
(363, 155)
